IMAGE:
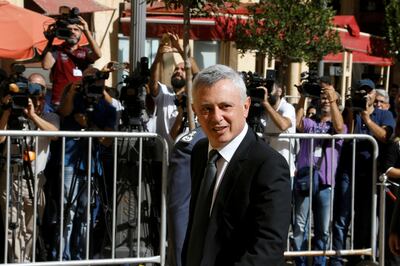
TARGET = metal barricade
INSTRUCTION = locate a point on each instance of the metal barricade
(370, 251)
(138, 139)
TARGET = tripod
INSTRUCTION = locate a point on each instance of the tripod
(131, 194)
(77, 202)
(21, 202)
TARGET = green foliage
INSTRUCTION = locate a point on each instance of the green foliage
(197, 7)
(392, 20)
(292, 30)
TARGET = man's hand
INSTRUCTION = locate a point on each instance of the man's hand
(266, 95)
(175, 42)
(330, 93)
(30, 110)
(83, 24)
(81, 119)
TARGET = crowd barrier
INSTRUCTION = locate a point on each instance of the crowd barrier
(377, 237)
(137, 142)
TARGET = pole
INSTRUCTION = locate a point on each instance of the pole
(137, 39)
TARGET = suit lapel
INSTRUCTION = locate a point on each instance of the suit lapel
(234, 170)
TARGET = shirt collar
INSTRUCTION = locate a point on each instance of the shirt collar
(228, 150)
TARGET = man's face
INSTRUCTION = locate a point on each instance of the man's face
(325, 105)
(178, 78)
(76, 33)
(380, 102)
(221, 112)
(393, 92)
(38, 102)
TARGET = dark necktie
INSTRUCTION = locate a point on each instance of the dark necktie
(202, 211)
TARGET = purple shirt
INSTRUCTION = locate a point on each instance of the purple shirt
(322, 148)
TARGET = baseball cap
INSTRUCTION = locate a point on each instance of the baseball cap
(365, 83)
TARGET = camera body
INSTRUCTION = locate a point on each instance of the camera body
(310, 84)
(20, 90)
(59, 28)
(92, 88)
(359, 101)
(253, 80)
(133, 94)
(17, 87)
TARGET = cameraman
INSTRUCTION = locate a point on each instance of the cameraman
(80, 111)
(22, 172)
(68, 60)
(324, 168)
(361, 117)
(280, 117)
(170, 116)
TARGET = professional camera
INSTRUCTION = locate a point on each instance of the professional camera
(358, 100)
(20, 90)
(59, 28)
(253, 81)
(17, 87)
(310, 84)
(92, 88)
(133, 94)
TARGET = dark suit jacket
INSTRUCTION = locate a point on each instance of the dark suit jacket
(251, 214)
(395, 222)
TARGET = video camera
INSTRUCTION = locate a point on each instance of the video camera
(133, 94)
(310, 84)
(253, 81)
(358, 98)
(59, 28)
(20, 90)
(92, 88)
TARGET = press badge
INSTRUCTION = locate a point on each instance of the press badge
(77, 72)
(318, 152)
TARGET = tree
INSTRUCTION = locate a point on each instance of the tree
(289, 30)
(190, 7)
(392, 20)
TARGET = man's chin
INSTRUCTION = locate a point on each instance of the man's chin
(72, 41)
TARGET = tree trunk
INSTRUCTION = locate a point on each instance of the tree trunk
(188, 67)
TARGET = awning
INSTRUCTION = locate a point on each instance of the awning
(156, 26)
(366, 48)
(360, 58)
(51, 7)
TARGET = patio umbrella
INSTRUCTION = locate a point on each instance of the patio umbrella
(22, 32)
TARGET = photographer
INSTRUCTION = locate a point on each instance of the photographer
(361, 117)
(170, 102)
(24, 168)
(68, 60)
(84, 109)
(330, 122)
(280, 117)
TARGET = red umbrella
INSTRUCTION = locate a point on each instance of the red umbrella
(22, 32)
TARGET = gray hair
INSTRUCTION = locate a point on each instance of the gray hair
(211, 75)
(383, 93)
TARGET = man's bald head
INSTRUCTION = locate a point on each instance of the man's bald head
(37, 78)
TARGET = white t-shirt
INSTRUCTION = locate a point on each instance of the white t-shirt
(272, 132)
(167, 112)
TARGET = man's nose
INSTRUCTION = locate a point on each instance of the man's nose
(217, 115)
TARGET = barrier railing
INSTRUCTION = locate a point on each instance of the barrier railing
(370, 251)
(137, 142)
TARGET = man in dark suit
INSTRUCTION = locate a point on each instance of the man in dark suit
(248, 203)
